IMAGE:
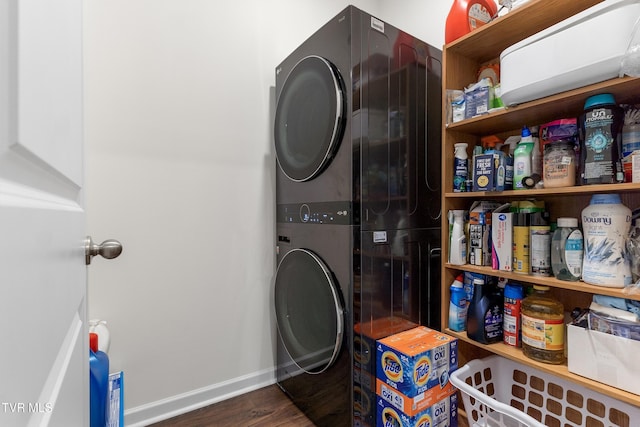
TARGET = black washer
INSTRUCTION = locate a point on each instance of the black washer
(309, 311)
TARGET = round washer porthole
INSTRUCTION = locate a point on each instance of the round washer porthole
(310, 121)
(309, 311)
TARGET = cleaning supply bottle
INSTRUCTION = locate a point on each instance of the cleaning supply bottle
(606, 223)
(540, 243)
(458, 305)
(100, 328)
(630, 140)
(512, 321)
(477, 150)
(520, 257)
(536, 153)
(460, 167)
(522, 159)
(457, 237)
(543, 327)
(600, 130)
(467, 15)
(98, 383)
(567, 250)
(510, 145)
(484, 315)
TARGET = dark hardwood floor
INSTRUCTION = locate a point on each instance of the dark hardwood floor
(268, 406)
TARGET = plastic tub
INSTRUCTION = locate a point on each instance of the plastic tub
(498, 392)
(583, 49)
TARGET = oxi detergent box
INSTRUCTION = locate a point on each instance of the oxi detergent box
(442, 414)
(415, 405)
(416, 360)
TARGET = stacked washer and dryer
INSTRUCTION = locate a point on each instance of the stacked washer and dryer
(357, 138)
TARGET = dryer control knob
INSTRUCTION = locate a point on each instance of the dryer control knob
(305, 213)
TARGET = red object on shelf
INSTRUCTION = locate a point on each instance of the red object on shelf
(93, 341)
(467, 15)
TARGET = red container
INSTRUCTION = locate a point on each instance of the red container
(467, 15)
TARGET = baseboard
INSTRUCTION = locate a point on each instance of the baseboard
(180, 404)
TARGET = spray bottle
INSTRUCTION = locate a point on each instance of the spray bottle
(460, 167)
(457, 237)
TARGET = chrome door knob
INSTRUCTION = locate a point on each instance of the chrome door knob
(108, 249)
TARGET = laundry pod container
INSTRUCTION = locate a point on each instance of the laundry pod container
(584, 49)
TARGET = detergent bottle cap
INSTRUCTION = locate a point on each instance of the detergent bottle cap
(93, 341)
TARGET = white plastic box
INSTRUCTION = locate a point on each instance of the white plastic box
(584, 49)
(606, 358)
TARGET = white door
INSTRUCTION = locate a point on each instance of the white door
(43, 333)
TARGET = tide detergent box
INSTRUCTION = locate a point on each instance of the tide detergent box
(442, 414)
(414, 361)
(415, 405)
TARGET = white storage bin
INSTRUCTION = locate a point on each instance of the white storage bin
(584, 49)
(498, 392)
(607, 358)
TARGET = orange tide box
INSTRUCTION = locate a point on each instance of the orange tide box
(413, 405)
(417, 360)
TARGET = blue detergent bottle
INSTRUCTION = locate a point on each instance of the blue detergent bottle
(484, 315)
(98, 383)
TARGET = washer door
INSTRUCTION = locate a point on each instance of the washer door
(310, 121)
(308, 311)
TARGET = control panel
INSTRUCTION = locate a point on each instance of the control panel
(316, 213)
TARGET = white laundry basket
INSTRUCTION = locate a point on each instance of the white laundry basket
(498, 392)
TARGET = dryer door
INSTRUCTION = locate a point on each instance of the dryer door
(309, 311)
(310, 121)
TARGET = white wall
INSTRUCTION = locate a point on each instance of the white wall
(180, 169)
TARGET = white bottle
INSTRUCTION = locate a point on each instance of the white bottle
(457, 238)
(606, 223)
(99, 327)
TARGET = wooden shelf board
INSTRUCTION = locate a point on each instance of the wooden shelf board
(520, 23)
(564, 104)
(579, 189)
(547, 281)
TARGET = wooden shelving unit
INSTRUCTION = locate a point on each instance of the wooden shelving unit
(461, 60)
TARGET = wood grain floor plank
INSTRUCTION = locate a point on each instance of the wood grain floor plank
(266, 407)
